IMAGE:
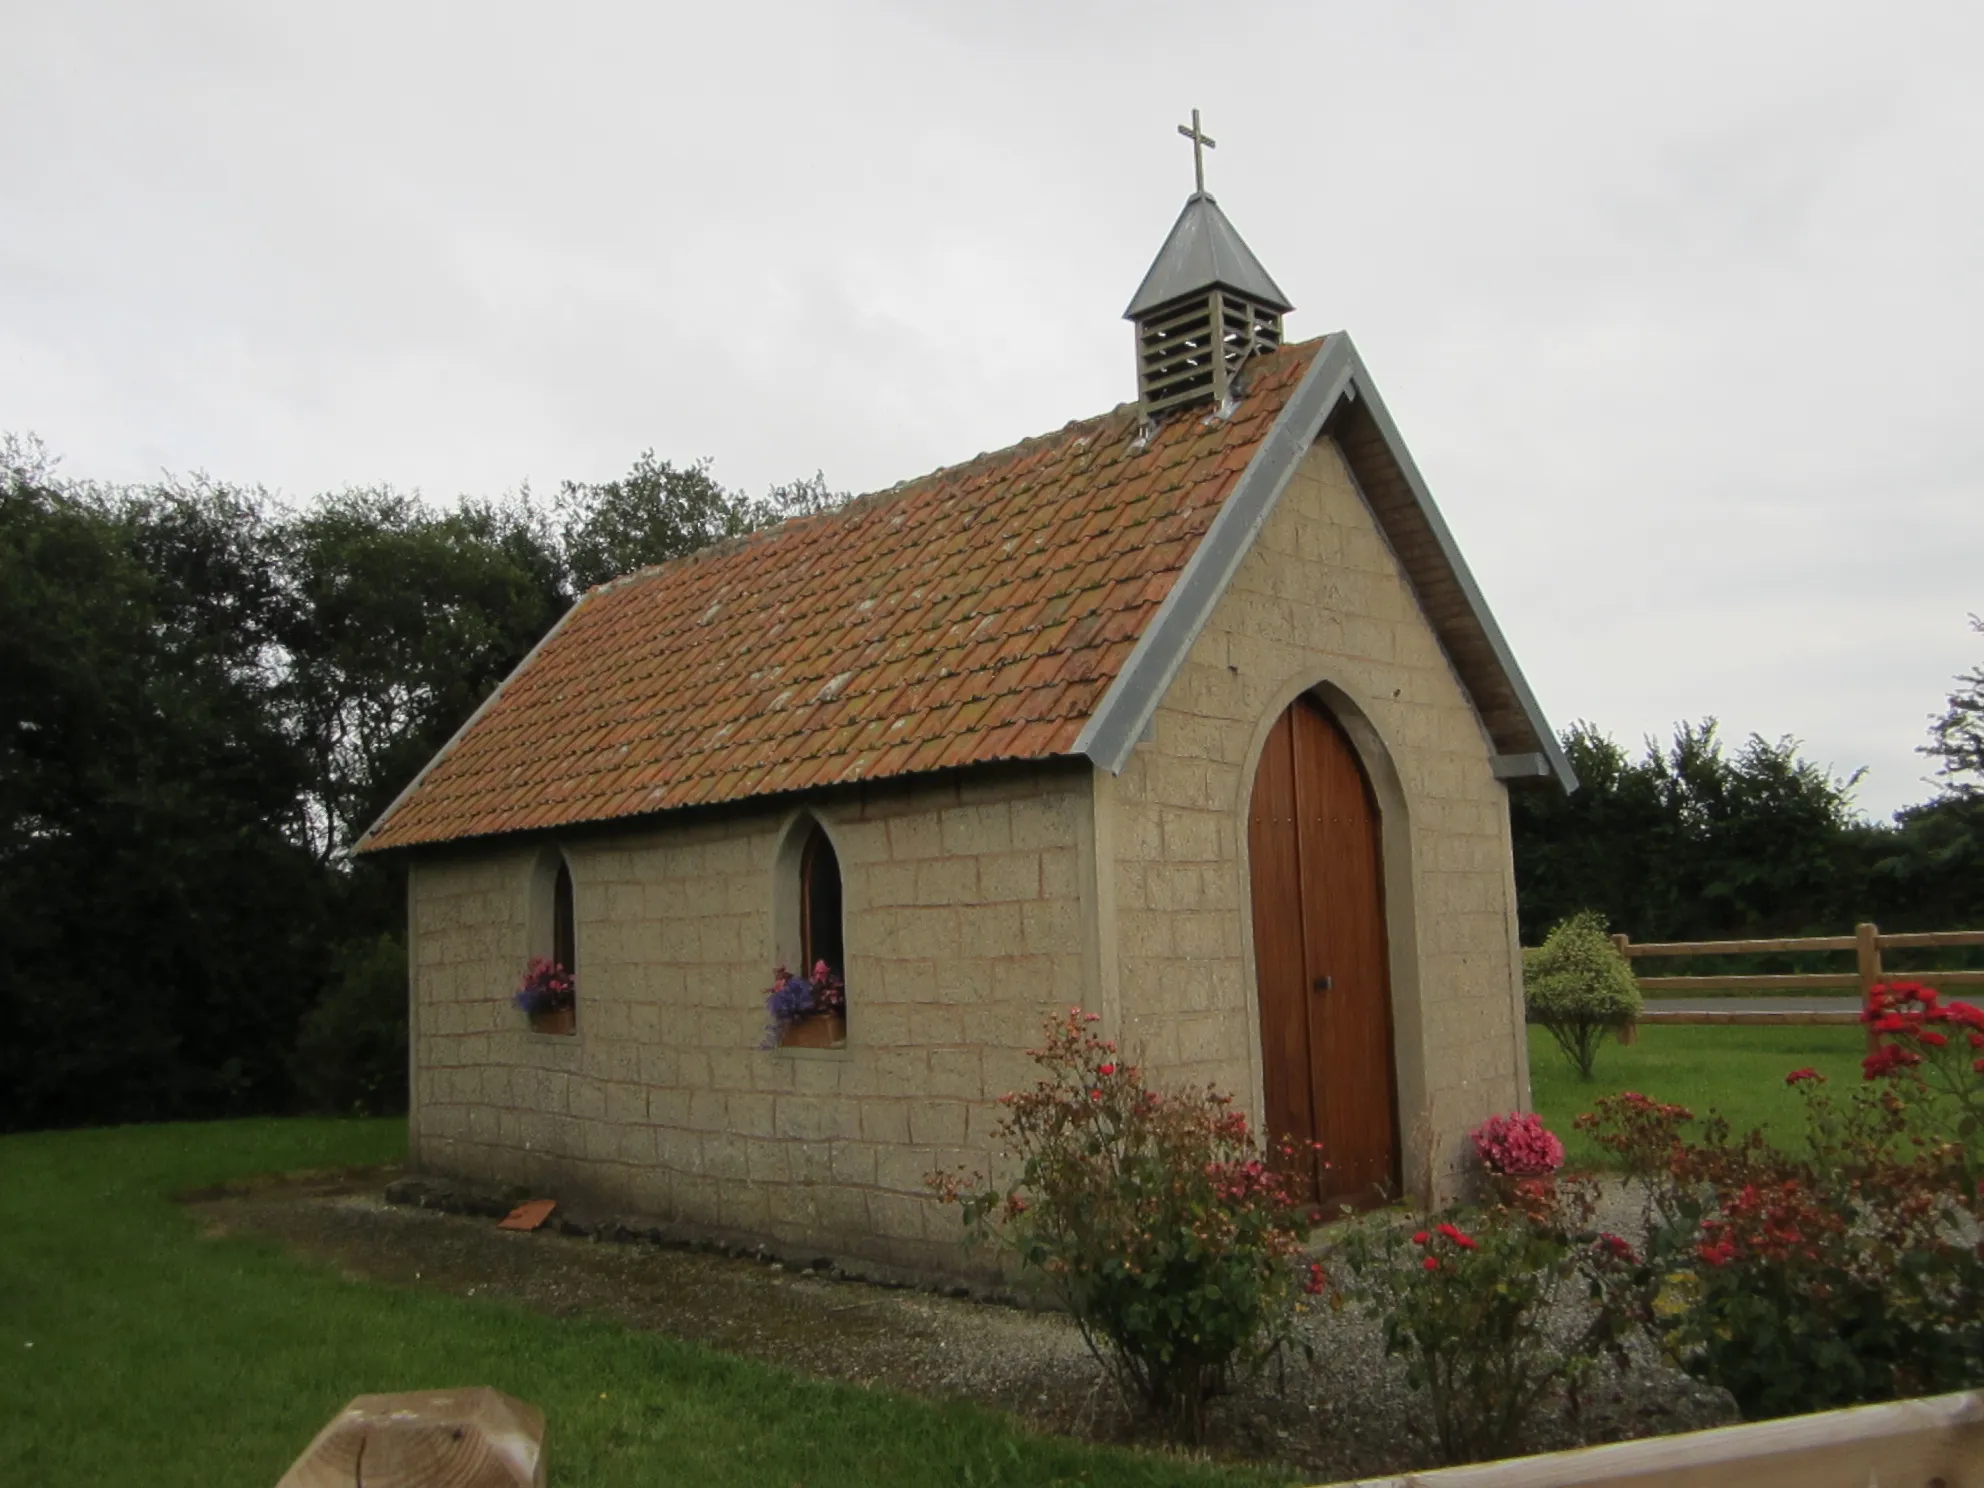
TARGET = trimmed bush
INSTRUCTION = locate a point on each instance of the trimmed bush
(1578, 986)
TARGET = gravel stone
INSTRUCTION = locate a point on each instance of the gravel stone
(1337, 1409)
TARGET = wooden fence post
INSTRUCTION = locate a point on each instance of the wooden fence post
(1867, 950)
(1629, 1033)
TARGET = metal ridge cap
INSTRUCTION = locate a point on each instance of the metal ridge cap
(1443, 538)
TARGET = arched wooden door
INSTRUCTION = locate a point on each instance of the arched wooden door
(1320, 955)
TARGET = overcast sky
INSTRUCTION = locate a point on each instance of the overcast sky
(1679, 310)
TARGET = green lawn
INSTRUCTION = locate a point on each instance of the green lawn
(1738, 1071)
(134, 1351)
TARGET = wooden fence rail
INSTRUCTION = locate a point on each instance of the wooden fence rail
(1937, 1442)
(1866, 943)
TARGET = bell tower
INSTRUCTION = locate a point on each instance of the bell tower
(1205, 306)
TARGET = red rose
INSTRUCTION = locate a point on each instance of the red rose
(1615, 1245)
(1887, 1059)
(1431, 1263)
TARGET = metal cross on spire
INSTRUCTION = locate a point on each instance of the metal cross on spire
(1201, 142)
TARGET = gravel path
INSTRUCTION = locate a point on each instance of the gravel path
(1347, 1415)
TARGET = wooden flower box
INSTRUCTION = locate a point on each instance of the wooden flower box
(559, 1020)
(821, 1031)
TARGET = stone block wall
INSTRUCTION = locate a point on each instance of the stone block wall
(1320, 600)
(968, 918)
(973, 909)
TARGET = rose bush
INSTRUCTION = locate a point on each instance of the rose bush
(1468, 1302)
(1848, 1270)
(1942, 1044)
(1156, 1219)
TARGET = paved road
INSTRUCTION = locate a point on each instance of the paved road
(1848, 1004)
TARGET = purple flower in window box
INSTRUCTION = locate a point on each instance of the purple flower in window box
(546, 988)
(793, 999)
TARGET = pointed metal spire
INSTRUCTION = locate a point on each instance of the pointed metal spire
(1205, 306)
(1204, 250)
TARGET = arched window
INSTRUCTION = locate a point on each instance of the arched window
(548, 993)
(819, 905)
(807, 917)
(564, 938)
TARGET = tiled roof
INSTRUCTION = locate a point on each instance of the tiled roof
(977, 614)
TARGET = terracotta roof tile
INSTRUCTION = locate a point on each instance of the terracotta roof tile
(975, 615)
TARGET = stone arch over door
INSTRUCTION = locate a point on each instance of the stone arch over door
(1316, 839)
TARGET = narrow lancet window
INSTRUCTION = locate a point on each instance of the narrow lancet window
(819, 905)
(564, 935)
(549, 991)
(808, 1002)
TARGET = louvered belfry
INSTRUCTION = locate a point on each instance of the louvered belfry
(1204, 308)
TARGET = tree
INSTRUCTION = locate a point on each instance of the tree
(1690, 841)
(398, 621)
(161, 921)
(1927, 872)
(658, 511)
(809, 496)
(655, 512)
(1957, 738)
(204, 697)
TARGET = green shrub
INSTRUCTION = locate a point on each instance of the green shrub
(1154, 1218)
(1579, 988)
(351, 1052)
(1469, 1300)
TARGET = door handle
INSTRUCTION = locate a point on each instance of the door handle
(1323, 984)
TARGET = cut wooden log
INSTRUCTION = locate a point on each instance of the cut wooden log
(473, 1438)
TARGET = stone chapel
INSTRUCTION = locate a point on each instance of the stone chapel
(1188, 713)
